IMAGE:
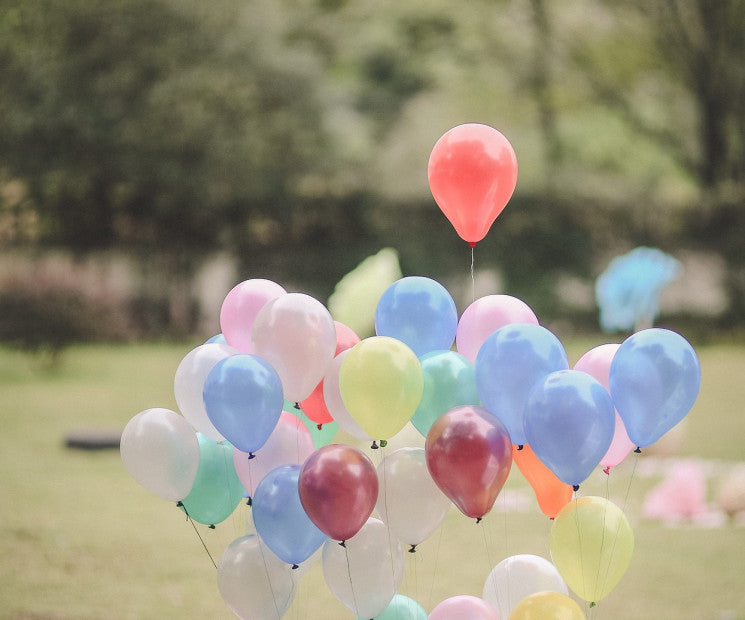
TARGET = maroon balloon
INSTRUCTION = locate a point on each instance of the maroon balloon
(338, 488)
(469, 456)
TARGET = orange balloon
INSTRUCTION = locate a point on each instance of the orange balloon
(472, 173)
(552, 494)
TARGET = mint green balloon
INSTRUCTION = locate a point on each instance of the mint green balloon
(402, 608)
(449, 381)
(217, 490)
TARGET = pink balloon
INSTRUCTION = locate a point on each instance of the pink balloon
(596, 363)
(296, 335)
(289, 444)
(240, 307)
(485, 316)
(463, 607)
(469, 456)
(338, 488)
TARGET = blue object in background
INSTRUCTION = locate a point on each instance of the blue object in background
(628, 291)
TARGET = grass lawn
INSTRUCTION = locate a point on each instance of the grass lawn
(80, 539)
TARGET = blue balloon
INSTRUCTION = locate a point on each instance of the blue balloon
(509, 363)
(419, 312)
(217, 338)
(243, 399)
(449, 381)
(281, 520)
(654, 381)
(569, 423)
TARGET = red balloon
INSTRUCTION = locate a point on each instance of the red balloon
(469, 456)
(472, 173)
(315, 406)
(338, 488)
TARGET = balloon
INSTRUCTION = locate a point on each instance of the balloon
(449, 381)
(654, 381)
(519, 576)
(280, 518)
(216, 339)
(591, 544)
(381, 384)
(596, 362)
(469, 455)
(485, 316)
(472, 173)
(188, 385)
(290, 443)
(401, 608)
(243, 398)
(365, 573)
(253, 582)
(547, 606)
(464, 607)
(332, 398)
(419, 312)
(315, 406)
(295, 333)
(510, 362)
(217, 490)
(338, 488)
(569, 423)
(552, 494)
(160, 451)
(409, 501)
(240, 307)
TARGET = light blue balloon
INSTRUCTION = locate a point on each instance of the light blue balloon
(243, 398)
(217, 338)
(569, 423)
(655, 378)
(510, 362)
(281, 520)
(419, 312)
(401, 608)
(628, 291)
(217, 490)
(449, 381)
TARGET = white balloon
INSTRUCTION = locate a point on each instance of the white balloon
(409, 501)
(365, 573)
(334, 402)
(297, 336)
(160, 450)
(254, 583)
(188, 385)
(519, 576)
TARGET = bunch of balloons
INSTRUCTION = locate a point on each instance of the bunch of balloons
(259, 405)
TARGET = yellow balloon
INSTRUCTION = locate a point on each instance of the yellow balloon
(547, 606)
(591, 545)
(381, 383)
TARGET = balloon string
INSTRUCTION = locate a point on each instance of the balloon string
(268, 579)
(435, 571)
(349, 573)
(473, 277)
(190, 520)
(579, 540)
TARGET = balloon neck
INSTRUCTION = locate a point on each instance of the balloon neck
(374, 445)
(575, 487)
(478, 520)
(606, 470)
(383, 443)
(212, 526)
(343, 543)
(638, 450)
(520, 446)
(251, 455)
(592, 604)
(249, 502)
(412, 549)
(297, 406)
(472, 244)
(319, 426)
(295, 566)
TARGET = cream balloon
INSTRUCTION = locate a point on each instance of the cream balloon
(365, 573)
(296, 335)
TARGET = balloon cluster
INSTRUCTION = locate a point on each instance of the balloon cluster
(483, 389)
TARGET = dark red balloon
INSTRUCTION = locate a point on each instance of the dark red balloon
(469, 456)
(338, 488)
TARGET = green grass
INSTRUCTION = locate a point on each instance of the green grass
(80, 539)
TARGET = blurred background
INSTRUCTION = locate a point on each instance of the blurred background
(153, 153)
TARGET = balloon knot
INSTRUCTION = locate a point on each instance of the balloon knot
(638, 450)
(251, 455)
(343, 543)
(575, 487)
(297, 405)
(374, 445)
(179, 504)
(412, 549)
(606, 470)
(383, 443)
(478, 519)
(212, 526)
(471, 244)
(249, 502)
(593, 603)
(520, 446)
(294, 566)
(319, 426)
